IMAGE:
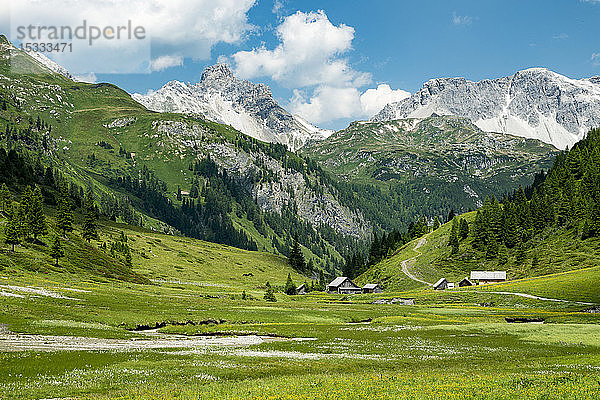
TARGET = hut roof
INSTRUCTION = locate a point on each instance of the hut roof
(370, 286)
(439, 283)
(338, 281)
(488, 275)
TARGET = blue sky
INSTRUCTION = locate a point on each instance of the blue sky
(398, 43)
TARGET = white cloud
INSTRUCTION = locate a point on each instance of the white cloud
(373, 100)
(173, 28)
(87, 78)
(327, 104)
(331, 103)
(311, 59)
(560, 36)
(310, 53)
(595, 59)
(164, 62)
(461, 19)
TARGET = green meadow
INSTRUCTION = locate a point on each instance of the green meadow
(209, 336)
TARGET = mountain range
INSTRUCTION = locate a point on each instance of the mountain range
(534, 103)
(188, 168)
(248, 107)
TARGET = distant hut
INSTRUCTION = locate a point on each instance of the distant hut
(450, 285)
(343, 285)
(442, 284)
(301, 289)
(484, 277)
(372, 288)
(465, 282)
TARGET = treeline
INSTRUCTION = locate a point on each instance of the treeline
(567, 197)
(207, 218)
(234, 194)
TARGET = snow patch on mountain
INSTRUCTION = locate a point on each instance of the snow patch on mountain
(248, 107)
(534, 103)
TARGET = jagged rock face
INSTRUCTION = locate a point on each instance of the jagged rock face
(176, 138)
(534, 103)
(248, 107)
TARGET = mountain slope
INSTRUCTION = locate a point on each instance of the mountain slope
(234, 189)
(533, 103)
(554, 253)
(426, 167)
(248, 107)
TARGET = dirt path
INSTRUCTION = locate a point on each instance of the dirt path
(530, 296)
(10, 342)
(405, 263)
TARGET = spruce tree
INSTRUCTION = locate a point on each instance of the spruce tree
(290, 288)
(36, 218)
(25, 208)
(296, 258)
(451, 215)
(479, 231)
(521, 255)
(454, 239)
(128, 258)
(5, 199)
(492, 249)
(89, 231)
(463, 231)
(56, 249)
(64, 214)
(12, 235)
(269, 293)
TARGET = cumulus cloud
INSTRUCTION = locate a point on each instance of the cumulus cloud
(331, 103)
(163, 62)
(172, 28)
(311, 58)
(373, 100)
(310, 53)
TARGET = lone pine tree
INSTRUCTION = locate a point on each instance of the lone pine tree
(89, 231)
(290, 288)
(11, 230)
(296, 258)
(36, 218)
(56, 249)
(64, 214)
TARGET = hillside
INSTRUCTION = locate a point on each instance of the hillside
(555, 229)
(553, 253)
(428, 166)
(155, 258)
(173, 172)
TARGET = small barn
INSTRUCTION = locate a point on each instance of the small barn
(343, 285)
(442, 284)
(485, 277)
(372, 288)
(465, 282)
(301, 289)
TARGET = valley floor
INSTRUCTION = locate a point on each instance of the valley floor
(71, 339)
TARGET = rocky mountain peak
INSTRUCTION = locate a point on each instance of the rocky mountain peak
(534, 103)
(217, 72)
(246, 106)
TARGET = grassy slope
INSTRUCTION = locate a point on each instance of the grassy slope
(556, 252)
(155, 257)
(443, 147)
